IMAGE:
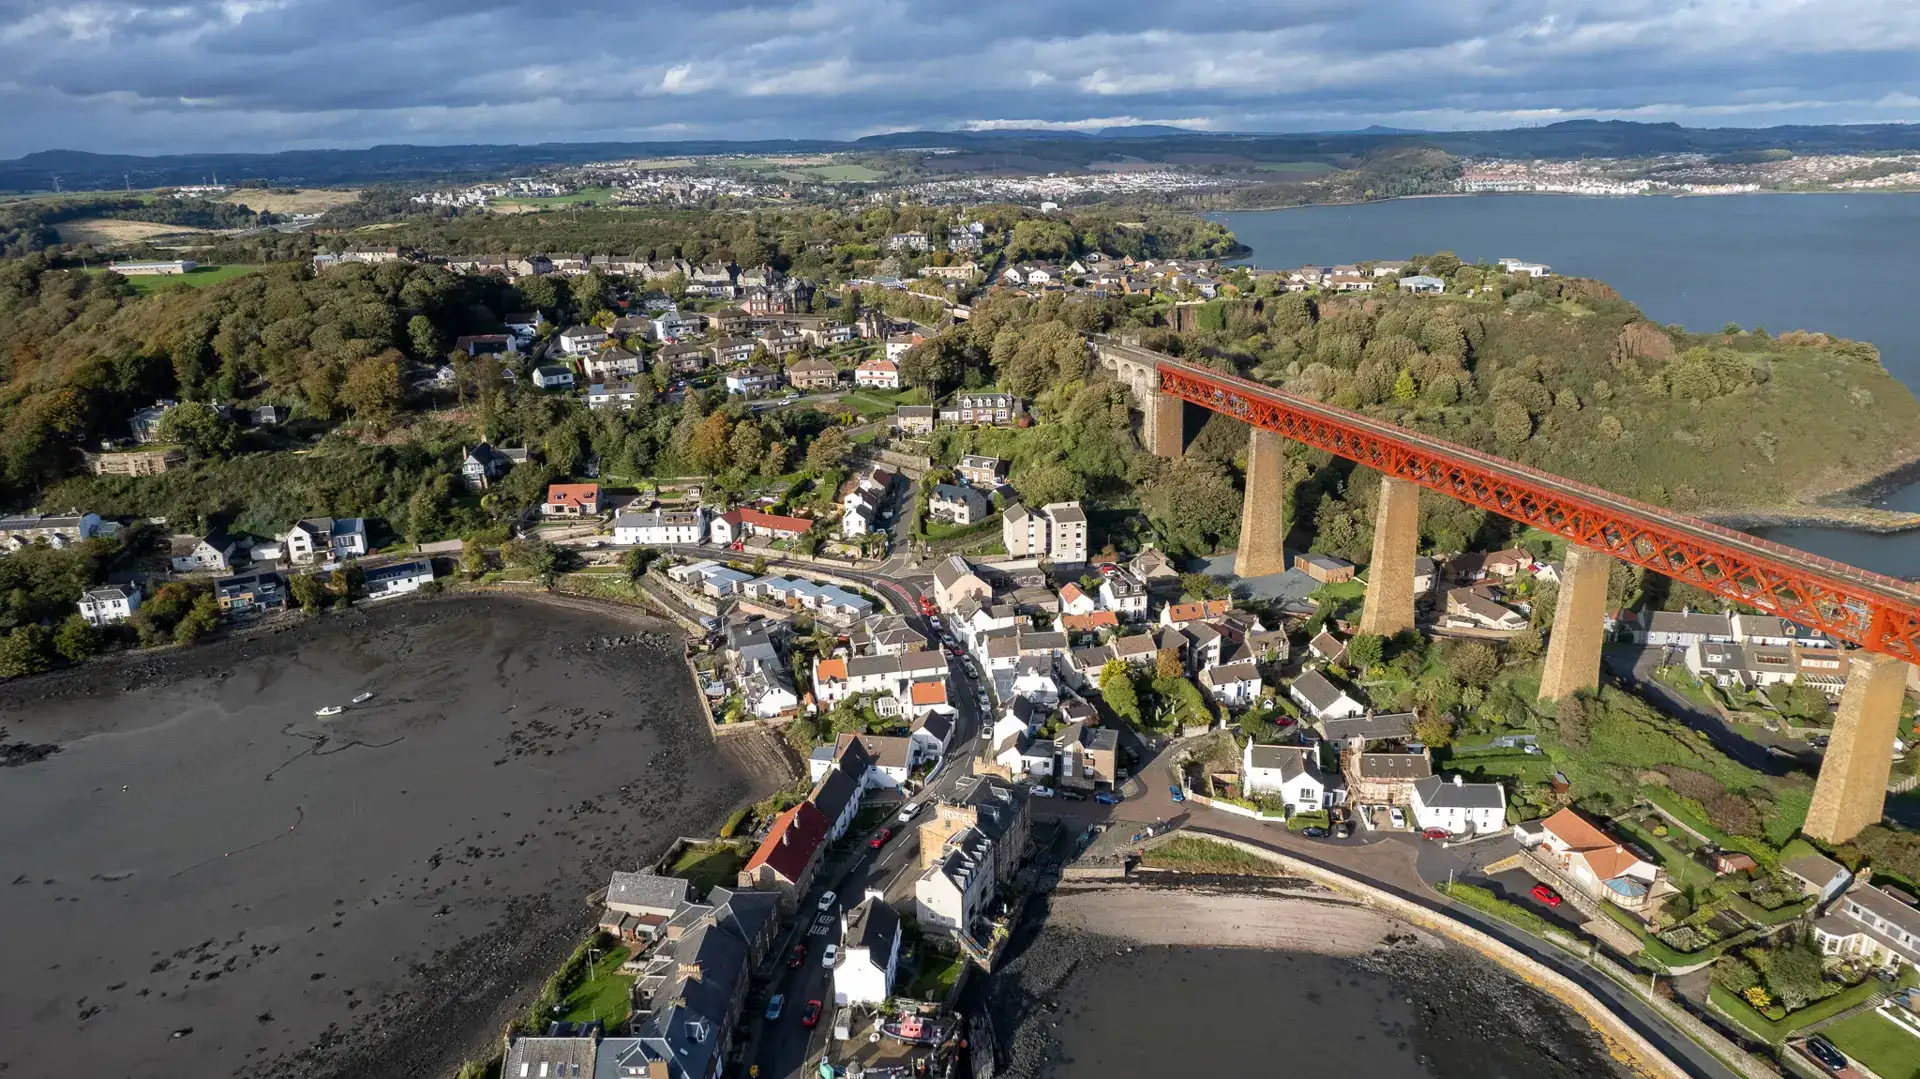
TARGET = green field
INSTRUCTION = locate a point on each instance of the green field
(708, 864)
(198, 278)
(832, 174)
(586, 194)
(1879, 1043)
(606, 994)
(1295, 166)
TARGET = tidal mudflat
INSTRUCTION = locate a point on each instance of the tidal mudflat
(205, 878)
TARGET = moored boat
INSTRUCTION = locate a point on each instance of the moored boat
(329, 710)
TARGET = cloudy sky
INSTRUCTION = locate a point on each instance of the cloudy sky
(116, 75)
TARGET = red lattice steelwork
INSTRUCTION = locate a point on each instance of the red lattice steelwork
(1878, 613)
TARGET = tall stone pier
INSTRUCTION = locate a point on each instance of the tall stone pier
(1263, 520)
(1579, 626)
(1396, 543)
(1168, 420)
(1852, 790)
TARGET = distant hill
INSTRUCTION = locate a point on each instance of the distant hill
(76, 170)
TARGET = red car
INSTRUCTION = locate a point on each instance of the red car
(881, 839)
(1546, 895)
(798, 957)
(811, 1015)
(1435, 833)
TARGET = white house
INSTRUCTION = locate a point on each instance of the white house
(1123, 594)
(1599, 864)
(1682, 628)
(660, 527)
(869, 952)
(1422, 285)
(930, 735)
(1291, 772)
(1872, 924)
(1322, 699)
(879, 373)
(576, 340)
(611, 364)
(329, 539)
(1458, 807)
(1235, 685)
(105, 606)
(951, 892)
(552, 377)
(398, 578)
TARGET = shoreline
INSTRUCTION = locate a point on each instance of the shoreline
(1552, 194)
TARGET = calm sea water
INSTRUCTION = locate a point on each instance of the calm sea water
(1835, 263)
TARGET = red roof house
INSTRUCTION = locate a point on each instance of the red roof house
(787, 858)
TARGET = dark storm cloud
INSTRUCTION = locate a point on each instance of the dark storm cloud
(268, 74)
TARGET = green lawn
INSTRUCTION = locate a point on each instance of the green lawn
(606, 994)
(1879, 1043)
(1684, 683)
(937, 974)
(1682, 870)
(709, 864)
(832, 174)
(1773, 1031)
(1194, 855)
(588, 194)
(200, 277)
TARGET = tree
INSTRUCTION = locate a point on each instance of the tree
(1404, 388)
(1797, 700)
(425, 337)
(76, 640)
(1573, 716)
(200, 620)
(1365, 650)
(473, 559)
(747, 447)
(305, 591)
(828, 451)
(1435, 730)
(27, 650)
(1167, 663)
(1118, 691)
(710, 450)
(200, 428)
(1511, 423)
(636, 562)
(1474, 663)
(427, 509)
(1795, 973)
(372, 388)
(1199, 586)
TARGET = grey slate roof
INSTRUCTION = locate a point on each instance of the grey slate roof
(1372, 728)
(1441, 793)
(648, 890)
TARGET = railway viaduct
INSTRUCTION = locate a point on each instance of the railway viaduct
(1879, 615)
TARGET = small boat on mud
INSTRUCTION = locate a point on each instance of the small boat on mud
(913, 1030)
(364, 697)
(329, 710)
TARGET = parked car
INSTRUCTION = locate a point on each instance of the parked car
(773, 1006)
(1823, 1051)
(827, 957)
(1043, 792)
(1545, 895)
(1178, 794)
(1108, 798)
(1436, 833)
(811, 1014)
(1395, 815)
(826, 901)
(908, 812)
(798, 957)
(881, 839)
(1073, 796)
(1314, 832)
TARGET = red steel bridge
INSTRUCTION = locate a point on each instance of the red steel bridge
(1878, 613)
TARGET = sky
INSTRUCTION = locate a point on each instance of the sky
(116, 76)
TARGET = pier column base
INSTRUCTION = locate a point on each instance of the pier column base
(1579, 626)
(1169, 434)
(1396, 542)
(1852, 790)
(1263, 520)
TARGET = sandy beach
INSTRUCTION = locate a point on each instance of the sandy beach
(1174, 979)
(208, 879)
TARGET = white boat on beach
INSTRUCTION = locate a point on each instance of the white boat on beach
(329, 710)
(364, 697)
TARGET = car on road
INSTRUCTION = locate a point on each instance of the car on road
(881, 839)
(826, 901)
(827, 957)
(1043, 792)
(798, 957)
(934, 621)
(1823, 1051)
(1437, 833)
(1108, 798)
(1178, 794)
(1545, 895)
(908, 812)
(1314, 832)
(773, 1006)
(810, 1014)
(972, 671)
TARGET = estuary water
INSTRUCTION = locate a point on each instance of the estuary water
(1832, 263)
